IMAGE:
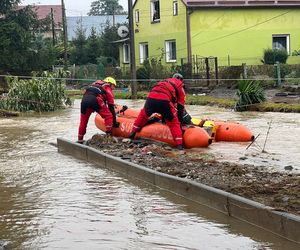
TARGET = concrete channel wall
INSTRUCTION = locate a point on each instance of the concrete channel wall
(283, 224)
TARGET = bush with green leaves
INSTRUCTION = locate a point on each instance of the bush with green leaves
(249, 93)
(296, 52)
(154, 69)
(271, 56)
(44, 93)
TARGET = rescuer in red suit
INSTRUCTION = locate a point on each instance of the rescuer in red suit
(167, 98)
(98, 97)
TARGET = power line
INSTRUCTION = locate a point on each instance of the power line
(250, 27)
(228, 35)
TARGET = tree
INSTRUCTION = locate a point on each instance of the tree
(78, 51)
(110, 50)
(8, 5)
(93, 47)
(19, 40)
(106, 7)
(14, 42)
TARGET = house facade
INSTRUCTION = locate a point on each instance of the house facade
(233, 31)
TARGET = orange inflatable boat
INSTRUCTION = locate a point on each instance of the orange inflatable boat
(193, 136)
(220, 130)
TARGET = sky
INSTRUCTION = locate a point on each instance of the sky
(73, 7)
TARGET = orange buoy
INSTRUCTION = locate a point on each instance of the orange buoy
(222, 130)
(233, 132)
(192, 137)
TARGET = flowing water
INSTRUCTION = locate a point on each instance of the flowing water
(53, 201)
(277, 145)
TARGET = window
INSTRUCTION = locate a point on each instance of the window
(137, 16)
(126, 53)
(175, 8)
(155, 11)
(171, 51)
(281, 42)
(144, 54)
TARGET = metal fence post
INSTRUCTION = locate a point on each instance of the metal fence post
(277, 65)
(244, 71)
(207, 70)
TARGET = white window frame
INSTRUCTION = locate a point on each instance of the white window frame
(171, 55)
(287, 37)
(126, 55)
(144, 52)
(175, 8)
(137, 16)
(154, 12)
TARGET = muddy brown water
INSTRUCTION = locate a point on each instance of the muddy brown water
(52, 201)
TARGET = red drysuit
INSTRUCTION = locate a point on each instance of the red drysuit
(97, 97)
(165, 98)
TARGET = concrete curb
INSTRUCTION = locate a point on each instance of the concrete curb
(283, 224)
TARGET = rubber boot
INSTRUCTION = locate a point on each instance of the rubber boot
(180, 147)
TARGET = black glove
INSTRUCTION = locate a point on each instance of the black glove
(124, 108)
(186, 119)
(116, 124)
(180, 109)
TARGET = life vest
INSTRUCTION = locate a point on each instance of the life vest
(168, 87)
(97, 89)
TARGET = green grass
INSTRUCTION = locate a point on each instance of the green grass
(277, 107)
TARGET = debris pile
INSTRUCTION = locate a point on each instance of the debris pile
(280, 190)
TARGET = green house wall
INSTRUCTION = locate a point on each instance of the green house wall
(239, 36)
(155, 34)
(233, 35)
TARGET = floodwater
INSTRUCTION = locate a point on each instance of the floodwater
(53, 201)
(277, 145)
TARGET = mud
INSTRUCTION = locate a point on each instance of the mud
(280, 190)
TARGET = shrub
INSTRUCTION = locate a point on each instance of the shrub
(271, 56)
(46, 93)
(249, 92)
(142, 73)
(296, 52)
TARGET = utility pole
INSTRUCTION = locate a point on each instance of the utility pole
(113, 16)
(188, 34)
(53, 27)
(132, 51)
(65, 34)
